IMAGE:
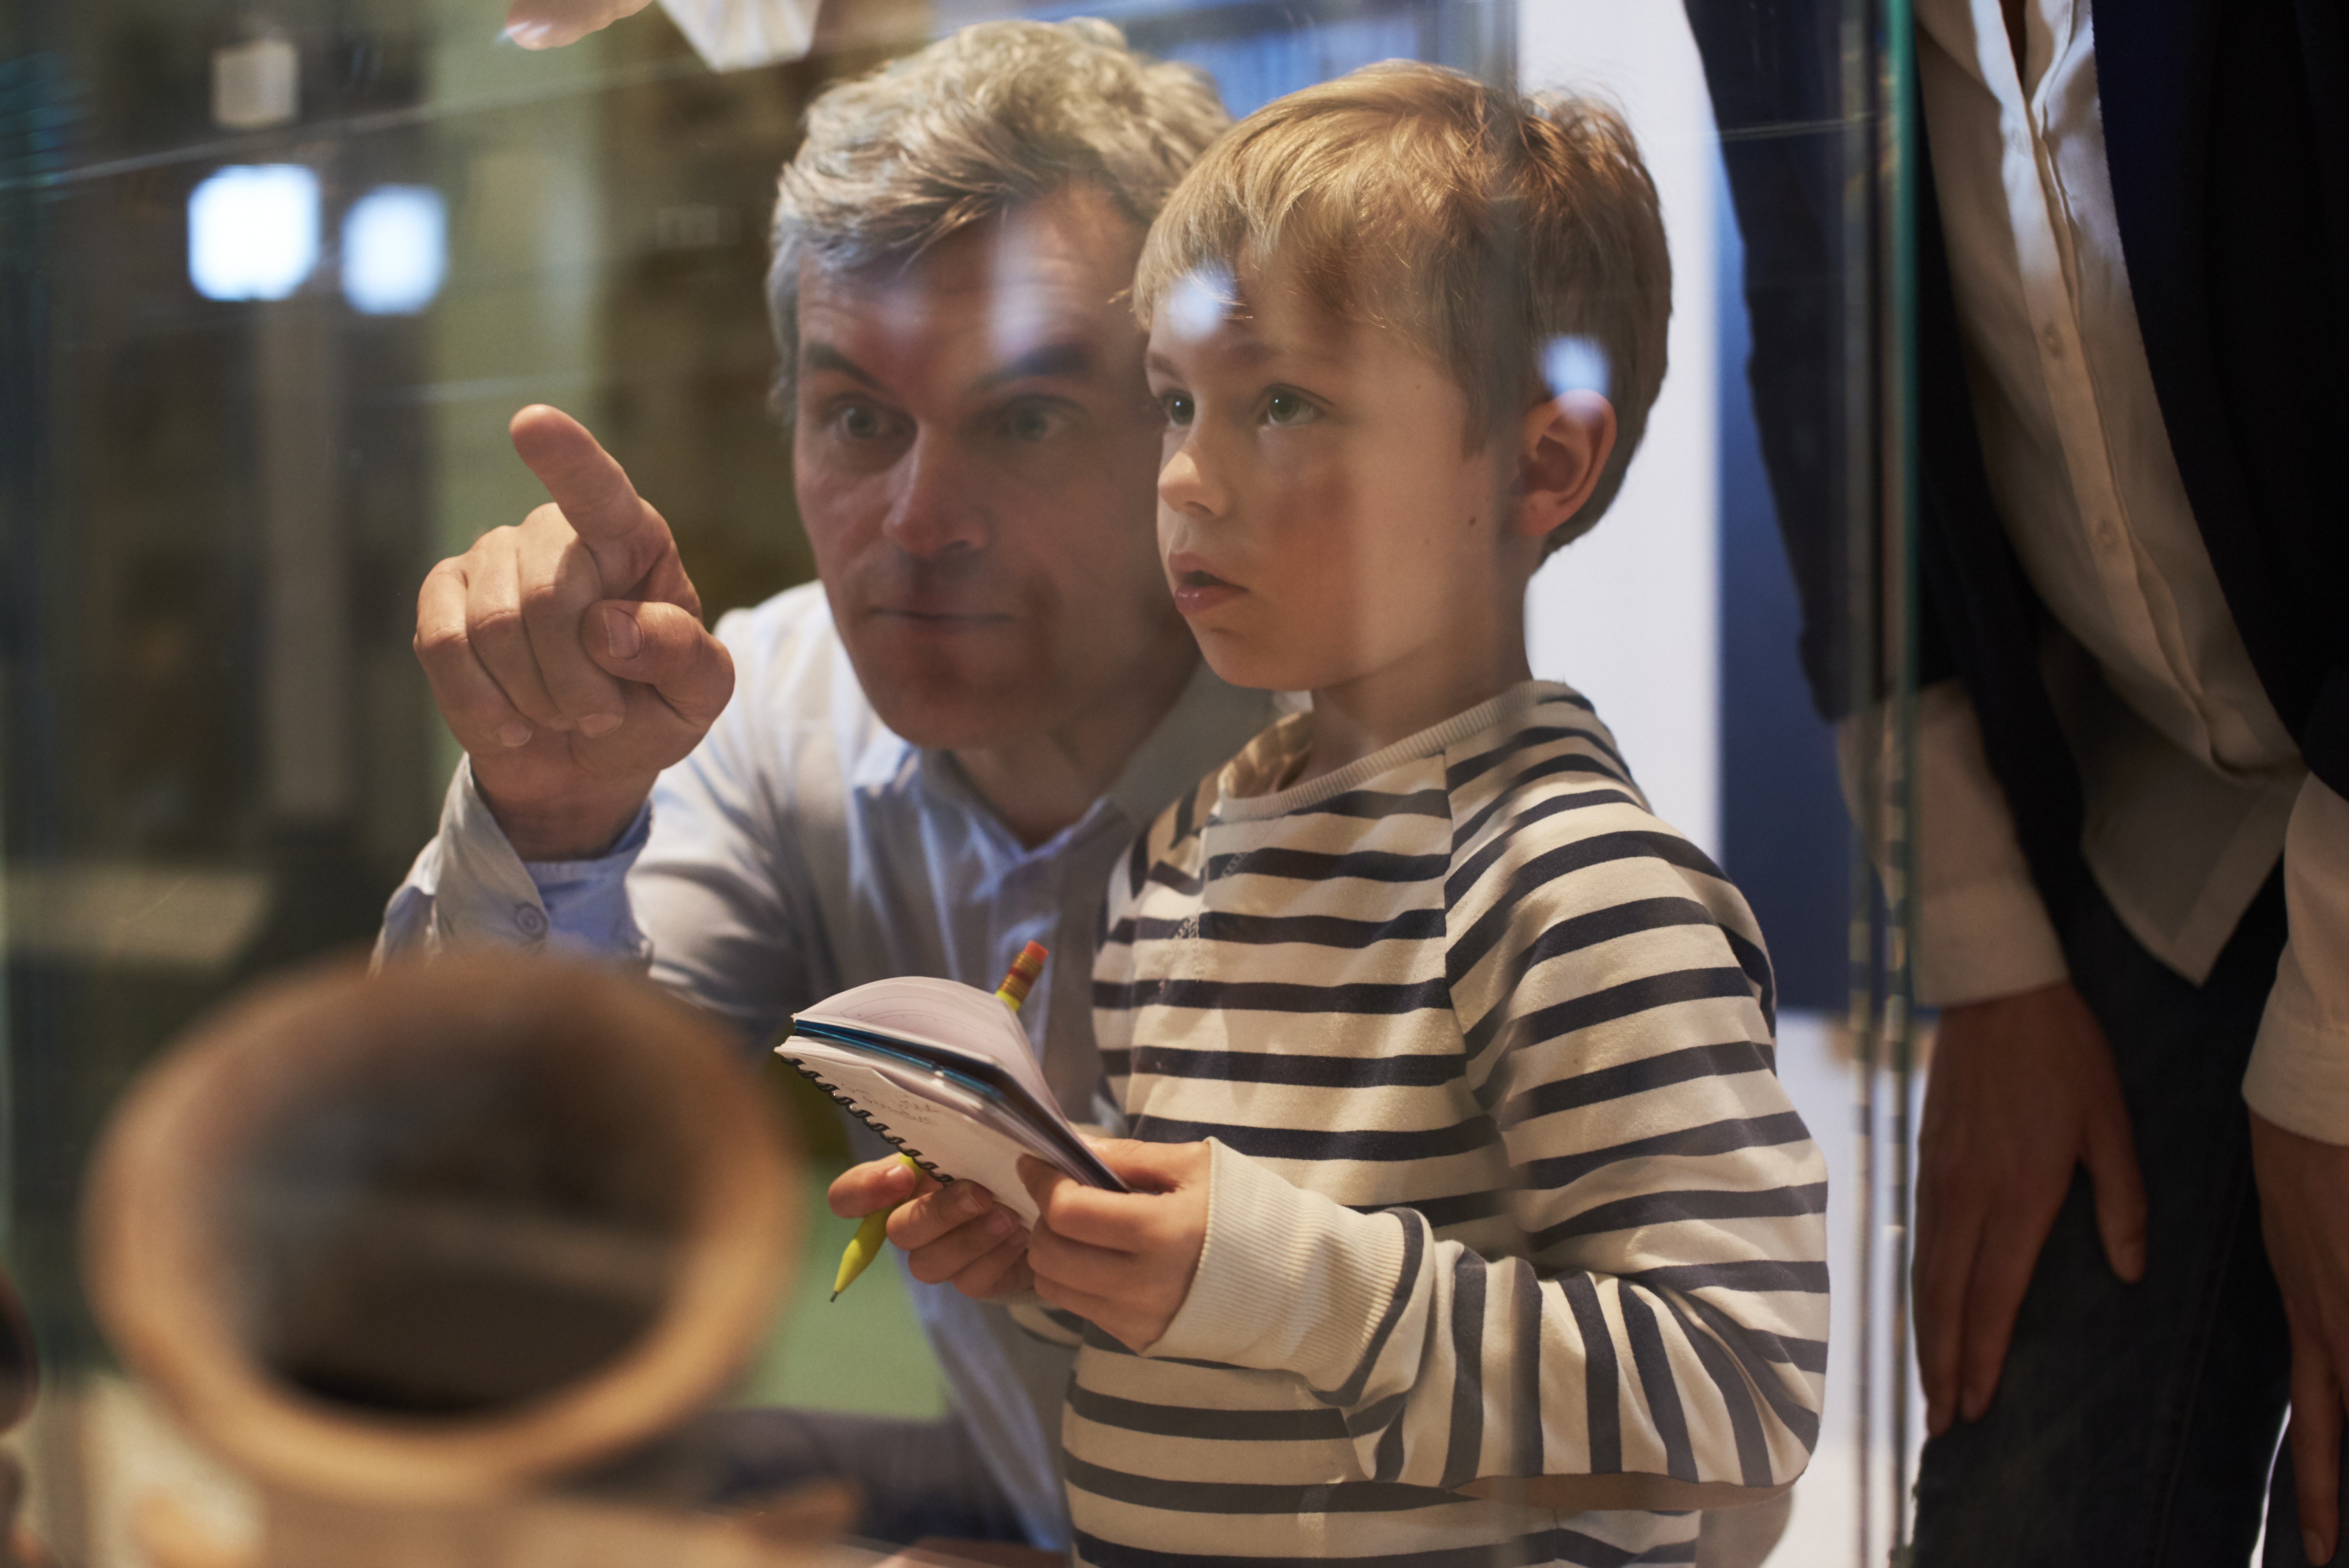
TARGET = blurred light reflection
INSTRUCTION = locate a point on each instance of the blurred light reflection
(253, 230)
(394, 249)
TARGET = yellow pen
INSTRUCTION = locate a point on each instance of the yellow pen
(866, 1245)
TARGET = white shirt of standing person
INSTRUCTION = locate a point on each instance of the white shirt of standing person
(2194, 787)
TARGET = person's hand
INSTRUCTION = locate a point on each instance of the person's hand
(568, 654)
(956, 1234)
(2022, 1089)
(551, 23)
(2301, 1184)
(1121, 1260)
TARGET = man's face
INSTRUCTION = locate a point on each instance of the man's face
(975, 450)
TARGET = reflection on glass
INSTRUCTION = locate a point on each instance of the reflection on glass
(394, 249)
(237, 460)
(252, 231)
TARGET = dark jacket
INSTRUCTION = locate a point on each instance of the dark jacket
(2226, 132)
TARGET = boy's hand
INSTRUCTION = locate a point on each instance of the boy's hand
(954, 1234)
(1121, 1260)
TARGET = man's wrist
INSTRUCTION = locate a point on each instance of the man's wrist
(574, 828)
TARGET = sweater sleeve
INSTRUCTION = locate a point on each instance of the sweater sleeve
(1657, 1326)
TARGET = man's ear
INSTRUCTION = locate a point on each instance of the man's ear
(1563, 444)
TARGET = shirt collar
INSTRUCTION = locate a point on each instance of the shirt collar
(1209, 721)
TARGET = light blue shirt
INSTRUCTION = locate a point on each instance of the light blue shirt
(803, 848)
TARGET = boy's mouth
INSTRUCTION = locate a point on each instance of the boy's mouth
(1196, 589)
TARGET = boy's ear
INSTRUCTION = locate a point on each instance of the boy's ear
(1562, 448)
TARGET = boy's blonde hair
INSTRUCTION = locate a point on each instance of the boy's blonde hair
(1517, 240)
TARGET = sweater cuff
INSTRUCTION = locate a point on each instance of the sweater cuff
(1287, 1280)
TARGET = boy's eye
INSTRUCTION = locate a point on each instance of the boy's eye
(1179, 407)
(1289, 409)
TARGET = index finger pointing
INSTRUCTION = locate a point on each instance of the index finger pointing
(587, 482)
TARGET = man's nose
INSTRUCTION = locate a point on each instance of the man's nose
(1188, 479)
(937, 510)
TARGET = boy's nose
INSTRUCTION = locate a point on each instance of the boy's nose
(1187, 484)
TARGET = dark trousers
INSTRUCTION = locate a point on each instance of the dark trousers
(2133, 1425)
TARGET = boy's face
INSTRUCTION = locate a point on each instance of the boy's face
(1322, 519)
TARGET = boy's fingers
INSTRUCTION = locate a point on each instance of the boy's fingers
(875, 1184)
(937, 1212)
(944, 1257)
(1003, 1272)
(1151, 1166)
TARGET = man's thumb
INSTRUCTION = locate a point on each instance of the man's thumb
(666, 647)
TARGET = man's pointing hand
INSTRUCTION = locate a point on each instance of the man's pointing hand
(568, 654)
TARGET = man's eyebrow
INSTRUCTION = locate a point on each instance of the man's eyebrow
(824, 356)
(1070, 357)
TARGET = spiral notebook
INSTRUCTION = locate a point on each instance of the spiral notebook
(944, 1071)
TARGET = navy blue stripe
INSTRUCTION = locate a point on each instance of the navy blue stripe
(1644, 1209)
(1464, 1454)
(1209, 1425)
(1367, 1145)
(1610, 1003)
(1656, 1382)
(1415, 1249)
(1624, 1079)
(1527, 1449)
(1602, 1396)
(1755, 1349)
(1756, 964)
(1310, 865)
(1571, 934)
(1576, 797)
(1681, 1143)
(1357, 999)
(1361, 1420)
(1319, 1072)
(1736, 1273)
(1744, 1420)
(1389, 1458)
(1265, 930)
(1532, 737)
(1598, 849)
(1371, 805)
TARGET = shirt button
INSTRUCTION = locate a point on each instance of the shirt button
(530, 919)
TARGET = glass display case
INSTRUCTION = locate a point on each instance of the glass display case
(275, 275)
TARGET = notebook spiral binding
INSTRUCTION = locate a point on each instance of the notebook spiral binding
(861, 1114)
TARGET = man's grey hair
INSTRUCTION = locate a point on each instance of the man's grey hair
(978, 124)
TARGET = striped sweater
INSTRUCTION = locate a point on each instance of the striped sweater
(1503, 1182)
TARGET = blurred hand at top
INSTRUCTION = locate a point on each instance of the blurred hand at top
(551, 23)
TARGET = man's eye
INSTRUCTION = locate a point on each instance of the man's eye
(1289, 409)
(1178, 407)
(857, 421)
(1034, 422)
